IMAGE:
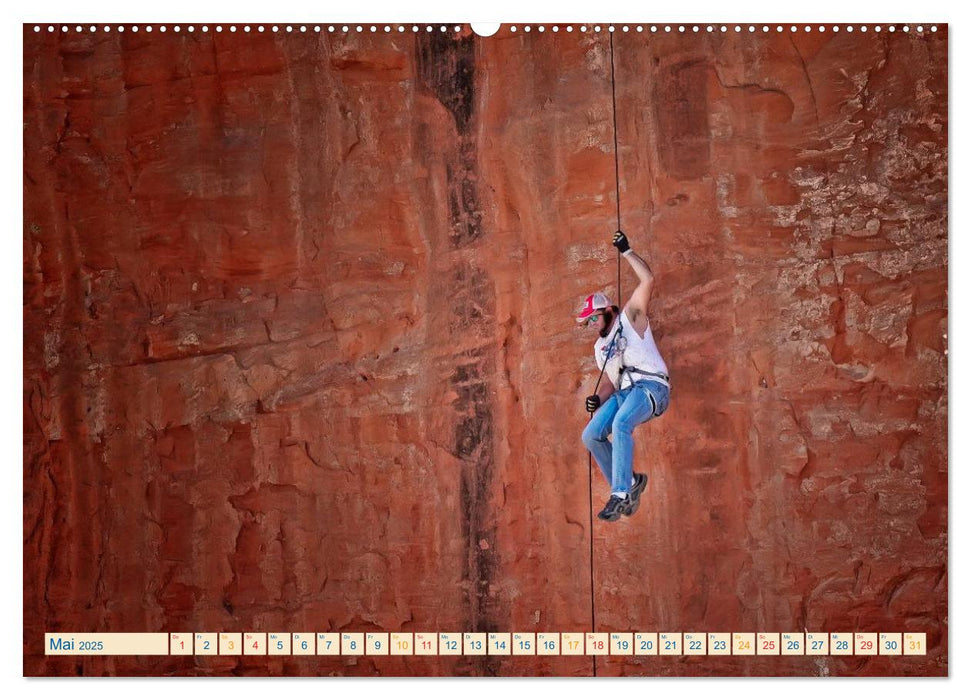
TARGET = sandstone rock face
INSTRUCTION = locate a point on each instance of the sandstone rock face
(299, 350)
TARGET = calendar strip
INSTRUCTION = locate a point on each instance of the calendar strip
(487, 644)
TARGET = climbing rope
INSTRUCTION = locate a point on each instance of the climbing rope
(613, 96)
(610, 347)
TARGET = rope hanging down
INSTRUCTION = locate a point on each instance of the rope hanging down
(613, 99)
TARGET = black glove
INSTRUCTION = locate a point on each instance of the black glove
(593, 403)
(620, 242)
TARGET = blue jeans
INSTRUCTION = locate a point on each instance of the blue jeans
(619, 414)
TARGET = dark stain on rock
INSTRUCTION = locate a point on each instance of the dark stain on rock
(472, 443)
(446, 69)
(471, 312)
(475, 430)
(446, 66)
(472, 300)
(681, 108)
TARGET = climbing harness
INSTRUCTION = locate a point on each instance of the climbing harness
(635, 370)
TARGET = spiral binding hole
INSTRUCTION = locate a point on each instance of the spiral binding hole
(247, 29)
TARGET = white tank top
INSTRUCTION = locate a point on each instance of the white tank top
(629, 350)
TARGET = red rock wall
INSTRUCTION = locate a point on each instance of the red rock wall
(299, 351)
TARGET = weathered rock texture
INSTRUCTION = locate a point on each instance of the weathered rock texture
(299, 350)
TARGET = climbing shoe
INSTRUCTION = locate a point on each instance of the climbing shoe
(634, 497)
(615, 507)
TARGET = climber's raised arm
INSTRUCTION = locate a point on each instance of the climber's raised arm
(639, 299)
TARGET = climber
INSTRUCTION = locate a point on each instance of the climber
(637, 389)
